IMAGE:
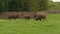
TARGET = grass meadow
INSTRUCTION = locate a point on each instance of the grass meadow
(21, 26)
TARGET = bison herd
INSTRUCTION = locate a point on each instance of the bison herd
(37, 16)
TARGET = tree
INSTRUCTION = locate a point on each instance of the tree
(43, 4)
(12, 5)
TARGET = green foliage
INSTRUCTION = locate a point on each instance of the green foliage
(43, 4)
(35, 5)
(28, 5)
(53, 5)
(13, 5)
(21, 5)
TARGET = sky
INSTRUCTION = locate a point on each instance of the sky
(56, 0)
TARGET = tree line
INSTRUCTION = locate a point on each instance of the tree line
(27, 5)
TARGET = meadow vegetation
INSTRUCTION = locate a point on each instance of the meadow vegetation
(21, 26)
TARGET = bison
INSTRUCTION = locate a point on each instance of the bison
(14, 16)
(26, 16)
(40, 16)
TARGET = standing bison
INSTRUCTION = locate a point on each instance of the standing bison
(14, 16)
(40, 16)
(27, 16)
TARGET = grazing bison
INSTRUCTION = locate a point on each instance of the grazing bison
(40, 16)
(14, 16)
(26, 16)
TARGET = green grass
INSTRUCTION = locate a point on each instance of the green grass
(21, 26)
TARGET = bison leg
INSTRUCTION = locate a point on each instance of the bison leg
(44, 19)
(40, 19)
(14, 18)
(34, 16)
(9, 18)
(37, 19)
(27, 17)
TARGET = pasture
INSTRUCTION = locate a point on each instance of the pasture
(21, 26)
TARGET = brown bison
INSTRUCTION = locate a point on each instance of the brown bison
(14, 16)
(40, 16)
(26, 16)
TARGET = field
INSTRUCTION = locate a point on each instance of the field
(21, 26)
